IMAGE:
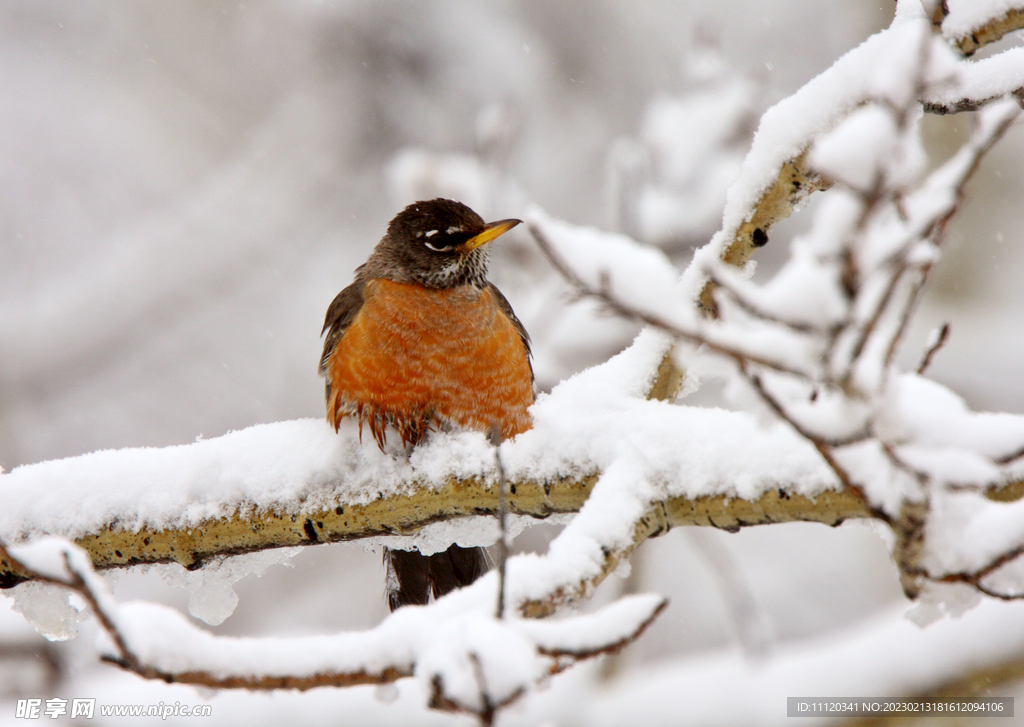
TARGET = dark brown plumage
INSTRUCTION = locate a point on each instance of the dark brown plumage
(421, 341)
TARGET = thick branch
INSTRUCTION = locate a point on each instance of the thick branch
(406, 514)
(113, 547)
(731, 514)
(795, 181)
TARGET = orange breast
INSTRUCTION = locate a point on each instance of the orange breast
(417, 358)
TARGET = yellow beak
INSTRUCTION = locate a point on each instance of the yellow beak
(490, 232)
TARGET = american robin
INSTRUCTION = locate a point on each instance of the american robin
(421, 341)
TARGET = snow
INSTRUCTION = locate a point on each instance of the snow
(13, 628)
(966, 16)
(473, 530)
(265, 466)
(681, 130)
(584, 632)
(642, 279)
(688, 151)
(966, 531)
(821, 302)
(596, 421)
(442, 640)
(940, 600)
(784, 131)
(127, 377)
(48, 606)
(641, 273)
(935, 416)
(885, 656)
(50, 557)
(865, 149)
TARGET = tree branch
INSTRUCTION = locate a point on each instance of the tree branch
(990, 31)
(775, 506)
(378, 656)
(406, 514)
(794, 183)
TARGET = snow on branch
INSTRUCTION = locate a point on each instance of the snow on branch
(470, 661)
(973, 24)
(907, 61)
(968, 25)
(815, 346)
(298, 483)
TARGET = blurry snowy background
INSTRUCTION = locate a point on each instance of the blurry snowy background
(184, 188)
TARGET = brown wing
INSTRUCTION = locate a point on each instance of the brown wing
(342, 311)
(506, 308)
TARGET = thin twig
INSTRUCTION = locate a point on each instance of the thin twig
(865, 331)
(991, 567)
(979, 144)
(975, 578)
(933, 228)
(1011, 457)
(823, 448)
(502, 545)
(625, 311)
(756, 311)
(938, 340)
(79, 585)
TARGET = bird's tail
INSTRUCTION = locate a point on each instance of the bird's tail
(412, 577)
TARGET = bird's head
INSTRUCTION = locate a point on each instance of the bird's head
(439, 243)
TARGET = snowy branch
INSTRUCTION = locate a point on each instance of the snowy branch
(970, 26)
(437, 643)
(196, 544)
(816, 345)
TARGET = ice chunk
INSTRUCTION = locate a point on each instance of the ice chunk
(386, 693)
(213, 596)
(48, 608)
(943, 599)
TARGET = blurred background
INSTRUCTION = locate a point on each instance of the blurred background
(184, 188)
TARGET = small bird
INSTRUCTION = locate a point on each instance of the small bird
(421, 342)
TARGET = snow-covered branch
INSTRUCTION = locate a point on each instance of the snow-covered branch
(471, 661)
(298, 483)
(972, 24)
(815, 347)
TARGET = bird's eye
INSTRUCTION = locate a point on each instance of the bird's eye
(447, 241)
(429, 234)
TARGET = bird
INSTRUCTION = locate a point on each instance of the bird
(422, 342)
